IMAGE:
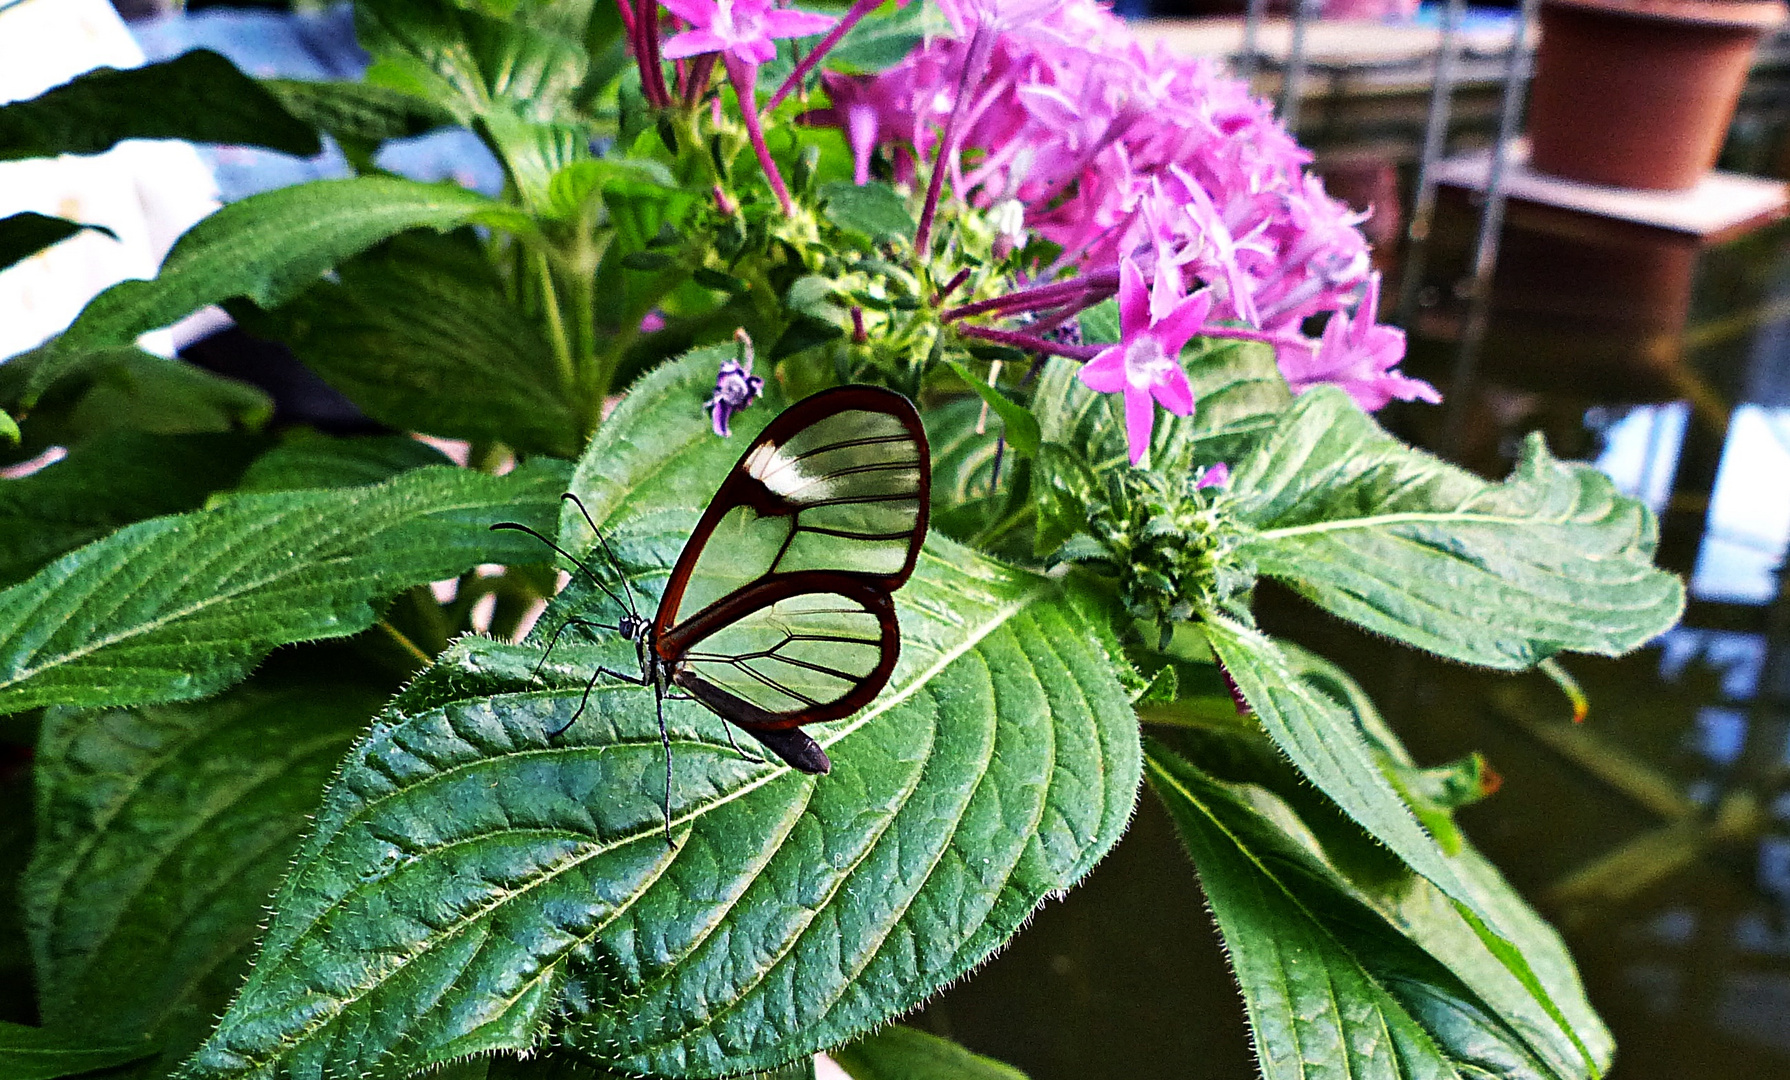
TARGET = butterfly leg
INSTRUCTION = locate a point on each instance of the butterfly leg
(665, 741)
(634, 680)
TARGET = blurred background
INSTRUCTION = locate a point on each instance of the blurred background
(1640, 320)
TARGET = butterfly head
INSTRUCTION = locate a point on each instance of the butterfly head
(632, 627)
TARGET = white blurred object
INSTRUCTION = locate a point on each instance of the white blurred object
(146, 192)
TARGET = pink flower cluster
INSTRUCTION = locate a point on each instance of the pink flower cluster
(1120, 153)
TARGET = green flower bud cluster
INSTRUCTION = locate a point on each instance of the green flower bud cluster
(1171, 544)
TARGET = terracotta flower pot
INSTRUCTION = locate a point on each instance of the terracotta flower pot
(1639, 93)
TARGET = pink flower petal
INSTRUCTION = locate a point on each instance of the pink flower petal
(1182, 323)
(700, 13)
(1140, 419)
(1134, 300)
(784, 22)
(1105, 374)
(1173, 392)
(691, 43)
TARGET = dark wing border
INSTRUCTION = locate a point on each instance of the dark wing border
(762, 594)
(741, 489)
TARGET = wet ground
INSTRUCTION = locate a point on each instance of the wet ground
(1657, 833)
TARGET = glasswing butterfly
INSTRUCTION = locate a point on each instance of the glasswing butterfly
(779, 612)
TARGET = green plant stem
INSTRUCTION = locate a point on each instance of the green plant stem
(556, 325)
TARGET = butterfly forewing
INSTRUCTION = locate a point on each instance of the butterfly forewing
(837, 484)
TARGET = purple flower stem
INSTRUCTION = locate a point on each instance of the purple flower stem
(652, 69)
(951, 286)
(974, 67)
(859, 9)
(627, 14)
(1031, 342)
(702, 68)
(744, 77)
(1043, 296)
(858, 335)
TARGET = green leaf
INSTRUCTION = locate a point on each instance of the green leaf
(162, 833)
(1020, 425)
(474, 885)
(180, 607)
(873, 209)
(311, 460)
(1328, 980)
(198, 96)
(885, 37)
(1503, 575)
(357, 111)
(24, 235)
(73, 398)
(30, 1053)
(1325, 744)
(899, 1052)
(269, 248)
(420, 335)
(108, 481)
(471, 64)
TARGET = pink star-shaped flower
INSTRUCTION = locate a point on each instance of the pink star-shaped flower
(1358, 355)
(743, 29)
(1146, 363)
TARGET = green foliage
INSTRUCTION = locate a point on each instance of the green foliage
(198, 96)
(179, 607)
(1329, 977)
(24, 235)
(454, 357)
(456, 889)
(903, 1053)
(30, 1053)
(111, 480)
(937, 832)
(162, 832)
(1423, 551)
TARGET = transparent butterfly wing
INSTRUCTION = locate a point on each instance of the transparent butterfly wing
(837, 484)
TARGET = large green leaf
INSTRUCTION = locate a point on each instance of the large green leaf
(162, 833)
(1324, 742)
(468, 63)
(109, 481)
(1332, 986)
(32, 1053)
(198, 96)
(899, 1052)
(180, 607)
(75, 398)
(420, 335)
(1503, 575)
(476, 885)
(24, 235)
(357, 111)
(267, 247)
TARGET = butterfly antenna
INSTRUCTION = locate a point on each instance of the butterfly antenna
(582, 565)
(665, 741)
(607, 550)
